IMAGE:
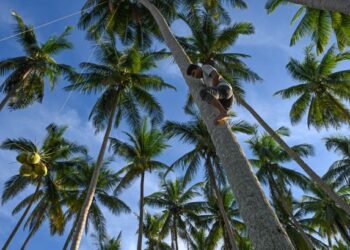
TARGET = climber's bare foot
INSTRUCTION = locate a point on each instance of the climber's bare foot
(221, 118)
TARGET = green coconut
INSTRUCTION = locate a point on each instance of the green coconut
(34, 158)
(22, 158)
(40, 169)
(26, 170)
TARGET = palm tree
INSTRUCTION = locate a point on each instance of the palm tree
(210, 42)
(196, 133)
(200, 240)
(339, 171)
(319, 24)
(269, 160)
(151, 228)
(76, 185)
(321, 91)
(325, 214)
(179, 209)
(145, 144)
(56, 154)
(214, 220)
(107, 243)
(125, 87)
(27, 74)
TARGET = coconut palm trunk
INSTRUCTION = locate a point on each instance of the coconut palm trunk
(314, 177)
(342, 6)
(92, 187)
(263, 226)
(14, 231)
(277, 195)
(175, 236)
(228, 227)
(142, 186)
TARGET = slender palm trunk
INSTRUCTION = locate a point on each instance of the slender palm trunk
(14, 231)
(263, 226)
(32, 232)
(277, 195)
(69, 238)
(142, 186)
(92, 187)
(314, 177)
(176, 237)
(342, 6)
(227, 224)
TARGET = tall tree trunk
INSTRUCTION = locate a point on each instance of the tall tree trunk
(262, 223)
(92, 187)
(176, 237)
(14, 231)
(342, 6)
(277, 195)
(142, 186)
(69, 238)
(314, 177)
(227, 224)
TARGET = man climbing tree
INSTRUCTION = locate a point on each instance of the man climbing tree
(217, 91)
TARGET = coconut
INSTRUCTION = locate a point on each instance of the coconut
(22, 158)
(34, 175)
(40, 169)
(26, 170)
(34, 158)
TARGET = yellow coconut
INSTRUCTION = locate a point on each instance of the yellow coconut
(40, 169)
(26, 170)
(22, 158)
(34, 158)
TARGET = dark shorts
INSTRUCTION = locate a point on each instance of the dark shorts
(222, 93)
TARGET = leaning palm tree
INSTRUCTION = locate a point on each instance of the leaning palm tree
(41, 166)
(125, 87)
(180, 211)
(322, 93)
(145, 144)
(76, 185)
(107, 243)
(27, 74)
(325, 215)
(196, 133)
(269, 159)
(319, 24)
(339, 171)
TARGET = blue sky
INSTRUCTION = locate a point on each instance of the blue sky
(269, 50)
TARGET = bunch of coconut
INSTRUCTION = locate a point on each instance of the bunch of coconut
(32, 165)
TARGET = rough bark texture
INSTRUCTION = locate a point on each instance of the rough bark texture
(342, 6)
(92, 187)
(14, 231)
(142, 184)
(314, 177)
(263, 226)
(228, 227)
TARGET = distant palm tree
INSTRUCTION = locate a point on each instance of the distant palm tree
(200, 240)
(325, 216)
(321, 92)
(125, 87)
(76, 185)
(107, 243)
(339, 171)
(145, 144)
(180, 210)
(319, 24)
(151, 228)
(25, 82)
(58, 154)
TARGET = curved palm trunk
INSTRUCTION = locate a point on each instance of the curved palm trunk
(277, 195)
(228, 227)
(342, 6)
(69, 238)
(142, 186)
(314, 177)
(14, 231)
(92, 187)
(263, 226)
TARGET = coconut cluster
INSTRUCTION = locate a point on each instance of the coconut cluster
(32, 166)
